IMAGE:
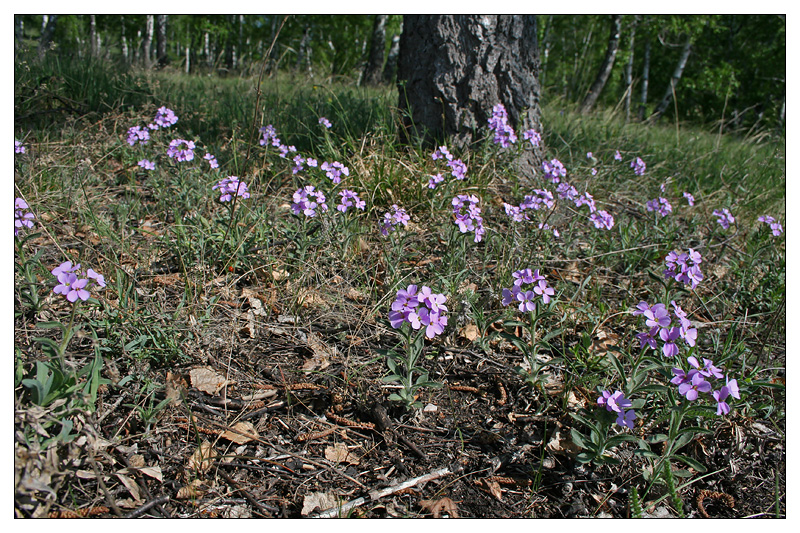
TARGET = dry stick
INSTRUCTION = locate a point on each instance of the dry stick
(146, 507)
(249, 497)
(109, 499)
(377, 494)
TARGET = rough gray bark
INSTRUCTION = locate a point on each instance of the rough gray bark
(605, 66)
(48, 31)
(645, 80)
(453, 69)
(374, 64)
(673, 82)
(161, 41)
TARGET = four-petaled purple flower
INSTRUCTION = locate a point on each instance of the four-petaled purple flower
(72, 285)
(212, 161)
(425, 308)
(503, 131)
(22, 217)
(391, 219)
(525, 297)
(335, 170)
(689, 198)
(137, 134)
(693, 387)
(307, 200)
(638, 166)
(724, 217)
(533, 136)
(774, 225)
(350, 199)
(230, 187)
(19, 148)
(325, 122)
(164, 118)
(181, 150)
(146, 164)
(554, 170)
(468, 215)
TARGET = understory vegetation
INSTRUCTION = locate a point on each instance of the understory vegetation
(242, 302)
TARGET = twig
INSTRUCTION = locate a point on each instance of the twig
(111, 503)
(146, 507)
(378, 494)
(255, 503)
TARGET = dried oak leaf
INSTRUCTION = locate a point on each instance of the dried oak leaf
(318, 500)
(207, 380)
(339, 453)
(202, 458)
(439, 507)
(241, 433)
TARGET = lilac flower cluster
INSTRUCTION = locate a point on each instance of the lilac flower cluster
(774, 225)
(147, 164)
(212, 161)
(638, 166)
(618, 403)
(602, 220)
(684, 267)
(181, 150)
(658, 319)
(554, 170)
(724, 217)
(164, 118)
(457, 166)
(391, 219)
(660, 205)
(270, 136)
(335, 170)
(503, 131)
(73, 283)
(407, 308)
(468, 215)
(299, 161)
(526, 298)
(137, 134)
(692, 383)
(689, 198)
(435, 180)
(230, 187)
(325, 122)
(533, 136)
(307, 200)
(19, 148)
(350, 199)
(22, 217)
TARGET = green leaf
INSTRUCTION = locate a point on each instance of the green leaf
(51, 325)
(690, 462)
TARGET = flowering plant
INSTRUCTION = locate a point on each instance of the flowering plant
(410, 311)
(230, 186)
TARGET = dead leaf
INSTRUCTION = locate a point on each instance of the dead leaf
(470, 332)
(443, 505)
(202, 458)
(318, 500)
(241, 433)
(278, 274)
(339, 453)
(562, 444)
(176, 387)
(195, 489)
(207, 380)
(310, 298)
(493, 487)
(249, 329)
(131, 485)
(322, 353)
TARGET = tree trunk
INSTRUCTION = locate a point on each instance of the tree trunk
(147, 43)
(390, 69)
(161, 41)
(673, 82)
(92, 36)
(304, 51)
(453, 69)
(605, 67)
(645, 80)
(374, 64)
(18, 31)
(629, 71)
(48, 31)
(124, 40)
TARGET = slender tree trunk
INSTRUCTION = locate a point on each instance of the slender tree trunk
(18, 31)
(147, 44)
(546, 53)
(92, 36)
(187, 58)
(374, 64)
(645, 80)
(453, 69)
(629, 71)
(48, 30)
(304, 51)
(390, 69)
(207, 50)
(124, 40)
(161, 41)
(673, 82)
(605, 67)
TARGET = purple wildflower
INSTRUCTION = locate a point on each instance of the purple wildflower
(392, 219)
(617, 156)
(720, 395)
(503, 132)
(230, 186)
(586, 199)
(19, 148)
(137, 134)
(638, 166)
(181, 150)
(468, 215)
(626, 418)
(459, 169)
(442, 153)
(435, 180)
(164, 118)
(692, 388)
(533, 136)
(350, 199)
(146, 164)
(325, 122)
(724, 217)
(407, 308)
(602, 220)
(774, 225)
(307, 200)
(689, 198)
(335, 170)
(22, 217)
(212, 161)
(554, 170)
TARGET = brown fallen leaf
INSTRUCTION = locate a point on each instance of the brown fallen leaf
(202, 458)
(470, 332)
(441, 506)
(241, 433)
(322, 353)
(193, 490)
(318, 500)
(339, 453)
(207, 380)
